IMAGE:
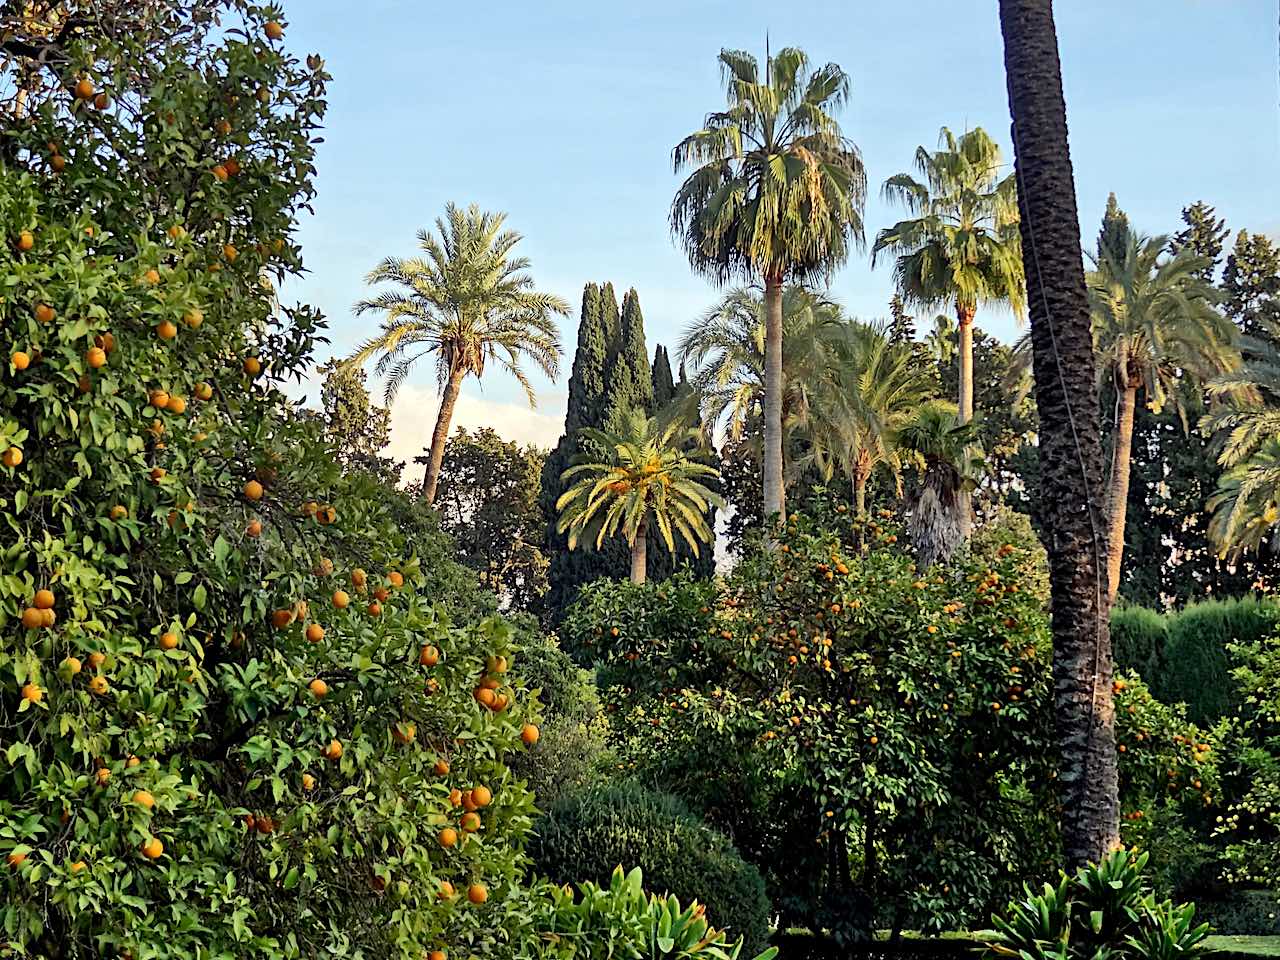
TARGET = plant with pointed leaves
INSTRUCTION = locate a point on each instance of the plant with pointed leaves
(952, 467)
(648, 478)
(775, 193)
(468, 302)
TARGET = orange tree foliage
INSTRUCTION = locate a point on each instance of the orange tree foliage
(878, 740)
(219, 735)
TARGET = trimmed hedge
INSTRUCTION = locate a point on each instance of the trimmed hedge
(587, 835)
(1139, 638)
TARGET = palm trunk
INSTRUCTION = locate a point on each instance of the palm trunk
(860, 495)
(1121, 455)
(1071, 455)
(639, 557)
(447, 402)
(774, 496)
(964, 317)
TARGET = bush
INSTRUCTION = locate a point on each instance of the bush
(584, 837)
(1139, 638)
(1103, 910)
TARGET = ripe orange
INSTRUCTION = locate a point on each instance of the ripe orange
(481, 796)
(485, 696)
(32, 618)
(437, 955)
(11, 457)
(44, 599)
(334, 750)
(44, 313)
(308, 782)
(193, 318)
(448, 837)
(375, 609)
(102, 776)
(441, 767)
(281, 618)
(404, 732)
(49, 617)
(499, 702)
(319, 689)
(58, 163)
(252, 366)
(16, 859)
(340, 599)
(315, 632)
(101, 102)
(470, 822)
(77, 866)
(158, 398)
(219, 172)
(152, 276)
(165, 330)
(273, 30)
(98, 685)
(446, 891)
(396, 578)
(132, 762)
(229, 251)
(529, 734)
(84, 89)
(32, 693)
(455, 797)
(72, 665)
(233, 167)
(203, 391)
(26, 240)
(106, 341)
(20, 360)
(95, 357)
(168, 640)
(153, 849)
(143, 799)
(358, 577)
(96, 660)
(429, 656)
(381, 594)
(253, 490)
(176, 405)
(254, 529)
(477, 893)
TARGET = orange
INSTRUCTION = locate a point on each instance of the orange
(153, 849)
(253, 490)
(446, 891)
(481, 796)
(96, 660)
(470, 822)
(219, 172)
(273, 30)
(106, 341)
(500, 702)
(144, 799)
(158, 398)
(16, 859)
(252, 366)
(375, 609)
(437, 955)
(168, 640)
(165, 330)
(489, 683)
(254, 529)
(341, 599)
(396, 578)
(468, 802)
(281, 618)
(44, 599)
(381, 594)
(429, 656)
(485, 696)
(223, 126)
(72, 665)
(359, 577)
(233, 167)
(32, 693)
(20, 360)
(152, 276)
(448, 837)
(193, 318)
(49, 617)
(11, 457)
(529, 734)
(77, 866)
(84, 89)
(95, 357)
(176, 404)
(404, 732)
(308, 782)
(477, 893)
(229, 251)
(32, 618)
(441, 767)
(203, 391)
(455, 797)
(26, 241)
(132, 762)
(58, 163)
(319, 689)
(315, 632)
(44, 313)
(334, 750)
(102, 776)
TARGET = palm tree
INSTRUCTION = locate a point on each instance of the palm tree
(1153, 322)
(725, 347)
(1070, 432)
(1246, 421)
(945, 445)
(872, 389)
(468, 302)
(961, 247)
(775, 193)
(648, 479)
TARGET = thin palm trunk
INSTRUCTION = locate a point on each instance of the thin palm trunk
(639, 557)
(1121, 455)
(860, 495)
(774, 495)
(1071, 453)
(448, 400)
(964, 316)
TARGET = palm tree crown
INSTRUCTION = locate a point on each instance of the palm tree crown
(647, 478)
(953, 464)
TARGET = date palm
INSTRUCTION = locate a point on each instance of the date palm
(775, 193)
(467, 302)
(646, 478)
(871, 390)
(946, 447)
(1154, 322)
(960, 248)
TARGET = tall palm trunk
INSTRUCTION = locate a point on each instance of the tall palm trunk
(1071, 454)
(1121, 455)
(639, 557)
(964, 318)
(774, 495)
(861, 474)
(448, 401)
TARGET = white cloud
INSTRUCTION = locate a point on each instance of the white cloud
(413, 417)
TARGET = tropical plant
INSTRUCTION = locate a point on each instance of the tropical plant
(871, 389)
(725, 348)
(1154, 324)
(1070, 441)
(961, 246)
(650, 479)
(775, 194)
(467, 302)
(952, 467)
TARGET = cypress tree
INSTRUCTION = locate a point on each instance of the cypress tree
(1115, 228)
(629, 379)
(664, 385)
(1251, 283)
(1203, 235)
(902, 326)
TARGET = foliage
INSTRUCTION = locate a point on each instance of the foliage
(587, 835)
(619, 921)
(488, 505)
(1139, 641)
(629, 384)
(1105, 909)
(1251, 284)
(220, 741)
(1005, 526)
(937, 436)
(358, 430)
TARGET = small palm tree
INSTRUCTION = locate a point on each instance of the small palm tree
(871, 390)
(961, 246)
(775, 194)
(467, 302)
(646, 478)
(1154, 323)
(947, 449)
(725, 348)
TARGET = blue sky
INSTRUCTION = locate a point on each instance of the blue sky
(563, 114)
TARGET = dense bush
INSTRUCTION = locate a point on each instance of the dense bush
(587, 835)
(1139, 639)
(1104, 910)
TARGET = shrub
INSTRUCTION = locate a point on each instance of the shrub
(1006, 526)
(1139, 638)
(619, 922)
(587, 835)
(1103, 910)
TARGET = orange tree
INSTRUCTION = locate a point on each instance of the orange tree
(879, 741)
(231, 722)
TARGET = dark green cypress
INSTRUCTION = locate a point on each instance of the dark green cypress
(664, 385)
(629, 379)
(1115, 229)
